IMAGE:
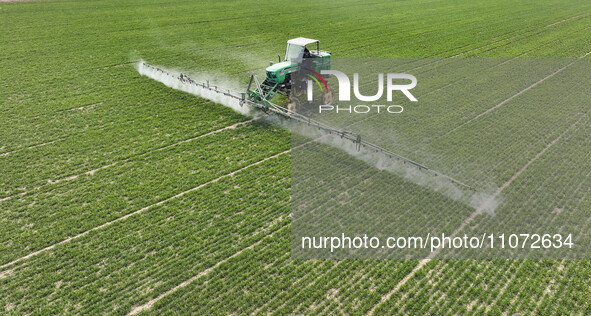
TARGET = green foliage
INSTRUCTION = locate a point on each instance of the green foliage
(73, 109)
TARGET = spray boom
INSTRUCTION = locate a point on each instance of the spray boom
(271, 108)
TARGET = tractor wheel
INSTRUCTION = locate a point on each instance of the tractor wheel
(293, 104)
(298, 91)
(328, 96)
(299, 88)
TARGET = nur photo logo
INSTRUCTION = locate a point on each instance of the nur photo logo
(401, 82)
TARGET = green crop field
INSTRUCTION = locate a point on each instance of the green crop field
(119, 195)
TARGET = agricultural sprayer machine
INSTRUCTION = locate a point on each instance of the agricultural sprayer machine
(290, 77)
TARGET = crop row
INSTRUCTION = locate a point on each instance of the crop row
(151, 252)
(34, 221)
(241, 284)
(550, 196)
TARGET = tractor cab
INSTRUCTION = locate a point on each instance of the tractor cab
(297, 57)
(287, 76)
(297, 49)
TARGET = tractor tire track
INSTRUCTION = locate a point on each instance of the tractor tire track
(83, 107)
(511, 38)
(4, 154)
(129, 63)
(564, 20)
(498, 105)
(149, 304)
(122, 218)
(125, 160)
(478, 211)
(525, 35)
(418, 67)
(77, 134)
(504, 288)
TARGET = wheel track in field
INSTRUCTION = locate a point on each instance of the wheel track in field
(511, 38)
(150, 303)
(564, 20)
(547, 291)
(525, 35)
(130, 158)
(92, 172)
(7, 153)
(163, 201)
(76, 108)
(106, 166)
(478, 48)
(77, 134)
(129, 63)
(498, 105)
(297, 282)
(479, 211)
(430, 139)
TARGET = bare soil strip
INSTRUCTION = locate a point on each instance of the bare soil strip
(62, 138)
(513, 37)
(504, 288)
(549, 291)
(516, 95)
(83, 107)
(31, 147)
(467, 221)
(561, 21)
(4, 266)
(92, 172)
(205, 272)
(508, 99)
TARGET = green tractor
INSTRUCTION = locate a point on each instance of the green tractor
(292, 76)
